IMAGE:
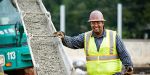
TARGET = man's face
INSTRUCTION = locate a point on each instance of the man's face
(97, 26)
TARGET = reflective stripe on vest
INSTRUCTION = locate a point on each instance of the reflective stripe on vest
(87, 36)
(92, 58)
(111, 42)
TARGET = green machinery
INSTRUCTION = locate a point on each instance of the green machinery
(13, 39)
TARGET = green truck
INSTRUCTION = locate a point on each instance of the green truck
(13, 40)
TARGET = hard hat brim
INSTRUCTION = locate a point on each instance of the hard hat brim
(96, 20)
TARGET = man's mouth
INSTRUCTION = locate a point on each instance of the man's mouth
(96, 28)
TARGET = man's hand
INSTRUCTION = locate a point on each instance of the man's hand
(59, 34)
(129, 70)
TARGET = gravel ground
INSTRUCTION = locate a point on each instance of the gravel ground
(45, 49)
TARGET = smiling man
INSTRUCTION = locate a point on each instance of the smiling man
(105, 51)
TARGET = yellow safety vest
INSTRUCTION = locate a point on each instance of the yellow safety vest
(106, 61)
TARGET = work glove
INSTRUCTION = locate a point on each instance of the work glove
(59, 34)
(129, 70)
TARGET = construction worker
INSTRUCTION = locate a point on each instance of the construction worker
(105, 51)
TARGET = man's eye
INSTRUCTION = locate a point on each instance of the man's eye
(99, 22)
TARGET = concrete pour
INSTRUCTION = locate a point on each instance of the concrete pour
(45, 49)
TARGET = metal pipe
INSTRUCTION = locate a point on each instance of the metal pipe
(119, 19)
(62, 18)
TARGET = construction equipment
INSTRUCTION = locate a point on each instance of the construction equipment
(34, 26)
(48, 55)
(13, 46)
(27, 42)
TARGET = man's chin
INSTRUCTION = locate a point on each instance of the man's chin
(96, 31)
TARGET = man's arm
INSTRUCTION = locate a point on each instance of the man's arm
(122, 52)
(124, 56)
(75, 42)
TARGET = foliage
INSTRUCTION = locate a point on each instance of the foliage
(136, 15)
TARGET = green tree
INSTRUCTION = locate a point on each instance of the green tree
(136, 15)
